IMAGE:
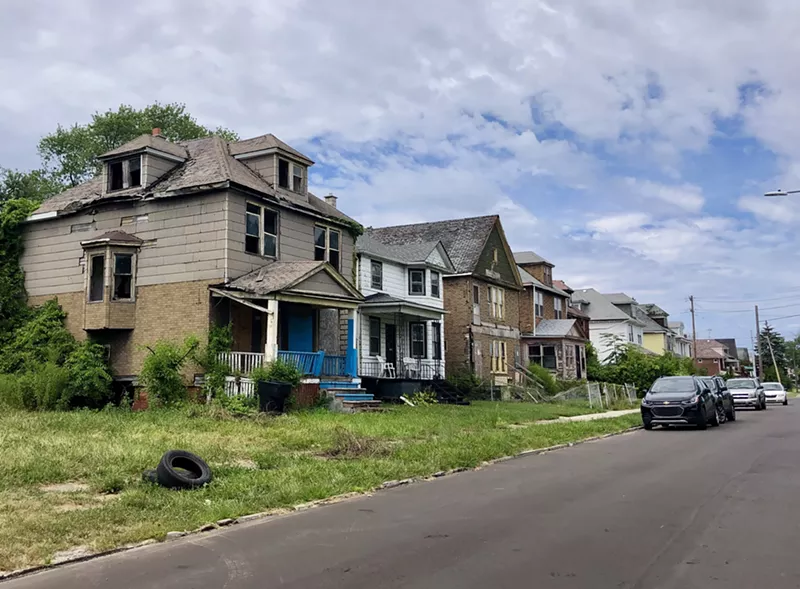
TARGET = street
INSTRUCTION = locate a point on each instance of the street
(662, 509)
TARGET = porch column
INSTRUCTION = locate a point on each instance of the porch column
(271, 345)
(351, 356)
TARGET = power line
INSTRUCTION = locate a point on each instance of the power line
(779, 318)
(792, 292)
(702, 310)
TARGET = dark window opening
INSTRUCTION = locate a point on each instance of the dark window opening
(270, 233)
(319, 244)
(434, 284)
(418, 347)
(135, 171)
(416, 282)
(374, 336)
(326, 246)
(283, 173)
(476, 294)
(97, 278)
(123, 276)
(333, 247)
(377, 275)
(436, 340)
(543, 356)
(297, 178)
(252, 229)
(115, 176)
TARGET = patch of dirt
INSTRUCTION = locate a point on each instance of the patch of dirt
(66, 488)
(93, 502)
(71, 554)
(244, 463)
(347, 445)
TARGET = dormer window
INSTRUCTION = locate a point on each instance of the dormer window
(125, 173)
(291, 176)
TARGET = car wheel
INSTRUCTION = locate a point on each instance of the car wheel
(648, 425)
(785, 401)
(732, 414)
(764, 404)
(758, 407)
(702, 419)
(715, 421)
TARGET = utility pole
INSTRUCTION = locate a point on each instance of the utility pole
(774, 363)
(694, 329)
(758, 347)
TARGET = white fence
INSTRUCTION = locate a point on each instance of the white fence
(239, 386)
(600, 394)
(241, 362)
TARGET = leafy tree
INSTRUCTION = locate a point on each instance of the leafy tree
(34, 186)
(89, 383)
(70, 153)
(13, 307)
(41, 339)
(773, 344)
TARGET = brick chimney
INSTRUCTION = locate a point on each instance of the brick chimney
(157, 132)
(331, 200)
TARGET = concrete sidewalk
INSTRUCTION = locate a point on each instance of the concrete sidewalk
(589, 416)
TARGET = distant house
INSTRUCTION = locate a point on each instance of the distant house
(608, 321)
(481, 296)
(402, 316)
(733, 354)
(711, 356)
(658, 337)
(683, 343)
(551, 336)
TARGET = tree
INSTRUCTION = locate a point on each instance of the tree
(773, 344)
(70, 153)
(35, 186)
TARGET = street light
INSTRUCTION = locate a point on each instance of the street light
(781, 192)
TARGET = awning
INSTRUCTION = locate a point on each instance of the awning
(239, 299)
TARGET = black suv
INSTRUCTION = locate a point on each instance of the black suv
(680, 400)
(724, 397)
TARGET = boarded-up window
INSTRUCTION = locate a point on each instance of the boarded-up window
(97, 277)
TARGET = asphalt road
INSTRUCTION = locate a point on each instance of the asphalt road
(661, 509)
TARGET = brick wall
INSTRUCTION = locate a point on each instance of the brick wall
(526, 310)
(457, 298)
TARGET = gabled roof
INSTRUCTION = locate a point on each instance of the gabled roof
(650, 326)
(654, 310)
(730, 343)
(265, 143)
(600, 308)
(620, 298)
(561, 285)
(464, 239)
(554, 327)
(276, 277)
(529, 279)
(530, 258)
(209, 165)
(709, 348)
(575, 312)
(142, 142)
(412, 253)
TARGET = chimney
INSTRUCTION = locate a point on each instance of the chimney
(157, 132)
(331, 200)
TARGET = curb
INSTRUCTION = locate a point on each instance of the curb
(229, 522)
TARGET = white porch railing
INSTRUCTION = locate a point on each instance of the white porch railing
(241, 362)
(239, 386)
(410, 368)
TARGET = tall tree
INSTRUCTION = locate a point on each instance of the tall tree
(773, 344)
(70, 153)
(35, 185)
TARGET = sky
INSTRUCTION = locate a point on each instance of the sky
(627, 142)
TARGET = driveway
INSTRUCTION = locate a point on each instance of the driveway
(661, 509)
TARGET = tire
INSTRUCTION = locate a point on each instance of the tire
(732, 414)
(180, 469)
(764, 404)
(759, 407)
(715, 422)
(150, 476)
(785, 401)
(647, 425)
(702, 419)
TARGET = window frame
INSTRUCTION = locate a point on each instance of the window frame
(540, 355)
(497, 302)
(538, 303)
(411, 282)
(126, 180)
(288, 185)
(294, 175)
(373, 322)
(102, 298)
(558, 307)
(411, 341)
(436, 340)
(436, 284)
(262, 229)
(476, 294)
(376, 284)
(114, 274)
(498, 351)
(630, 333)
(327, 249)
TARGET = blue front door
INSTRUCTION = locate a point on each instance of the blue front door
(300, 328)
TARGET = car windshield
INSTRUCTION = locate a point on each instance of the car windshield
(673, 385)
(772, 386)
(741, 383)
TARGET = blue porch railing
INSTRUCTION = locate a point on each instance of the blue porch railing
(334, 365)
(316, 363)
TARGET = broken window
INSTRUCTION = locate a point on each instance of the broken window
(543, 356)
(135, 171)
(123, 276)
(125, 174)
(283, 174)
(252, 214)
(97, 277)
(327, 246)
(261, 231)
(115, 176)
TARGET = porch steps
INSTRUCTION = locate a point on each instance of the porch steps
(360, 406)
(330, 384)
(352, 400)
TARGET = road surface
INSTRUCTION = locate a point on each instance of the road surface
(662, 509)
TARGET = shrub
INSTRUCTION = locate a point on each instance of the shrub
(10, 392)
(545, 378)
(424, 398)
(89, 381)
(469, 384)
(42, 339)
(161, 372)
(278, 371)
(220, 339)
(238, 405)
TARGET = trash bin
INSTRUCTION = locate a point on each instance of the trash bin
(272, 395)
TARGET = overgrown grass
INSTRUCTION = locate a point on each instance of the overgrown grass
(258, 464)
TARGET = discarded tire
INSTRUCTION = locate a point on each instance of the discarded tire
(180, 469)
(150, 476)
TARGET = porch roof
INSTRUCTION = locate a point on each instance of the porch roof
(295, 281)
(384, 303)
(555, 329)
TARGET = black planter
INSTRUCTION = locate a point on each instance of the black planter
(272, 395)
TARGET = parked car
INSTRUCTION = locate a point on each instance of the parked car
(680, 400)
(775, 393)
(724, 398)
(747, 392)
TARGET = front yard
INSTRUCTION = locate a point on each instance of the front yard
(258, 464)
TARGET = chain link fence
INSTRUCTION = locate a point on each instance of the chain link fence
(602, 395)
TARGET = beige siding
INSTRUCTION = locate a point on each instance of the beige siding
(155, 167)
(266, 166)
(322, 283)
(186, 242)
(296, 240)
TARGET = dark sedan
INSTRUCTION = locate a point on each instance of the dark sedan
(719, 389)
(680, 400)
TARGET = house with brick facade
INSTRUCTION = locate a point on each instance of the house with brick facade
(401, 320)
(481, 295)
(171, 237)
(553, 334)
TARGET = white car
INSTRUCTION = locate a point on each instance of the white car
(775, 393)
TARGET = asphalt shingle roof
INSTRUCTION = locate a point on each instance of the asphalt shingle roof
(529, 258)
(262, 142)
(411, 253)
(274, 277)
(654, 310)
(464, 239)
(619, 298)
(554, 327)
(600, 308)
(709, 348)
(153, 141)
(528, 279)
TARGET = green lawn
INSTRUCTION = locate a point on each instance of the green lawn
(258, 464)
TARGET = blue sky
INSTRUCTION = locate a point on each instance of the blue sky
(627, 142)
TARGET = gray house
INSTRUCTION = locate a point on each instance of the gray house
(171, 237)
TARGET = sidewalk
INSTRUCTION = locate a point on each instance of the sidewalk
(590, 416)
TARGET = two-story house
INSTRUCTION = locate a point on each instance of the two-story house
(173, 236)
(683, 343)
(402, 317)
(549, 336)
(481, 296)
(608, 323)
(658, 337)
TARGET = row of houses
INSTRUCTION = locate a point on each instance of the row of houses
(171, 238)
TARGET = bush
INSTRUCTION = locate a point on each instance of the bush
(42, 339)
(545, 378)
(39, 389)
(469, 384)
(161, 373)
(278, 371)
(89, 381)
(220, 339)
(424, 398)
(10, 392)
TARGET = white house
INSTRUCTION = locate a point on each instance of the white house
(401, 320)
(683, 344)
(607, 321)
